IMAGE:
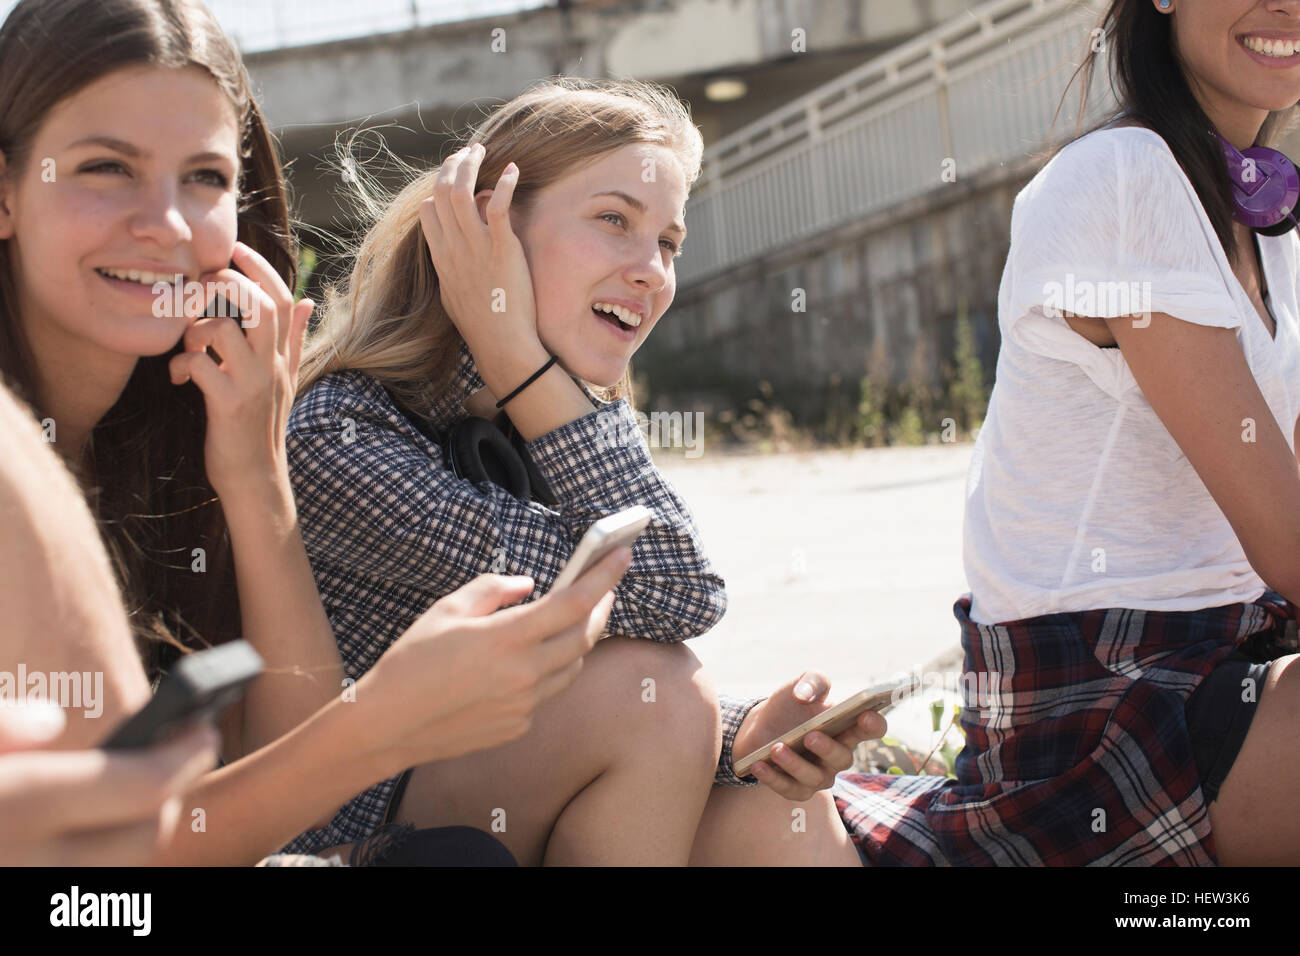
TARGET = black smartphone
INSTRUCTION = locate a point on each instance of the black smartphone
(200, 687)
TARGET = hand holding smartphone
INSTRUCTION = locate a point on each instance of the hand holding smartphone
(621, 529)
(879, 697)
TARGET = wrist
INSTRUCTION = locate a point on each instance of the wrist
(255, 497)
(351, 726)
(743, 743)
(365, 726)
(505, 373)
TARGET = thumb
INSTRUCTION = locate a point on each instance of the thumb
(29, 725)
(485, 594)
(811, 687)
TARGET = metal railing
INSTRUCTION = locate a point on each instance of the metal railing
(979, 92)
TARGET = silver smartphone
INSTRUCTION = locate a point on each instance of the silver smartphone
(880, 698)
(621, 529)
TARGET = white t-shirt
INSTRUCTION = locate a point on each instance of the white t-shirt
(1077, 496)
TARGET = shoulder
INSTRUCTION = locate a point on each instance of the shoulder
(1103, 161)
(351, 417)
(347, 441)
(340, 396)
(1106, 197)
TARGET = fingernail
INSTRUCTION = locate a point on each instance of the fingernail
(511, 169)
(804, 691)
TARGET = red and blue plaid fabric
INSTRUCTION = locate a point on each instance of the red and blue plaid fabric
(1077, 754)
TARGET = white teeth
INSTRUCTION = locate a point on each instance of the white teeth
(136, 275)
(627, 316)
(1276, 48)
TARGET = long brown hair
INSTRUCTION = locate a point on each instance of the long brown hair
(144, 473)
(388, 319)
(1150, 86)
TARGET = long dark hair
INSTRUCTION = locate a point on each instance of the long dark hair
(144, 472)
(1150, 86)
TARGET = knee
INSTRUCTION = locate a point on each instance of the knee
(664, 695)
(1282, 689)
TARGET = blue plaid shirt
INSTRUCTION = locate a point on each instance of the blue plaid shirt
(390, 529)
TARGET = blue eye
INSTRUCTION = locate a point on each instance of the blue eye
(621, 220)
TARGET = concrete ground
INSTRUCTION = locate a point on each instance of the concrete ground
(844, 561)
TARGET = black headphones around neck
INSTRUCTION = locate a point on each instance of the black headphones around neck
(480, 450)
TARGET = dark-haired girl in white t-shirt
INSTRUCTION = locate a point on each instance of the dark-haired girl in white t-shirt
(1132, 530)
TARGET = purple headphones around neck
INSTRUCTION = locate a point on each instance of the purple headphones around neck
(1265, 187)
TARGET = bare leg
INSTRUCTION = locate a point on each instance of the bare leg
(62, 609)
(615, 771)
(757, 827)
(1254, 818)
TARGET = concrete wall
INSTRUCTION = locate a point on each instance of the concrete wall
(892, 283)
(448, 65)
(430, 83)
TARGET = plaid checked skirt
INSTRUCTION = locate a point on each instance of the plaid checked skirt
(1077, 749)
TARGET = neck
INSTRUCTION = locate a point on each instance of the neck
(76, 384)
(1238, 123)
(482, 404)
(1241, 132)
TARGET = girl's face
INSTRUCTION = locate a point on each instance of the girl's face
(136, 174)
(1215, 38)
(605, 235)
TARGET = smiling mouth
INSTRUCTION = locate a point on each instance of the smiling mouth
(617, 316)
(1277, 49)
(147, 279)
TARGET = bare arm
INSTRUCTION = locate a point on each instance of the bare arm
(247, 397)
(1199, 384)
(283, 618)
(62, 609)
(466, 676)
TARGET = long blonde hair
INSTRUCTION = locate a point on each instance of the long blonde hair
(388, 320)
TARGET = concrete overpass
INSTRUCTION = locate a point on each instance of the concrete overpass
(430, 80)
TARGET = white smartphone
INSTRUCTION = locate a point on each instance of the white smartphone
(878, 697)
(617, 530)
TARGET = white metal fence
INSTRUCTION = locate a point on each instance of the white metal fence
(979, 91)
